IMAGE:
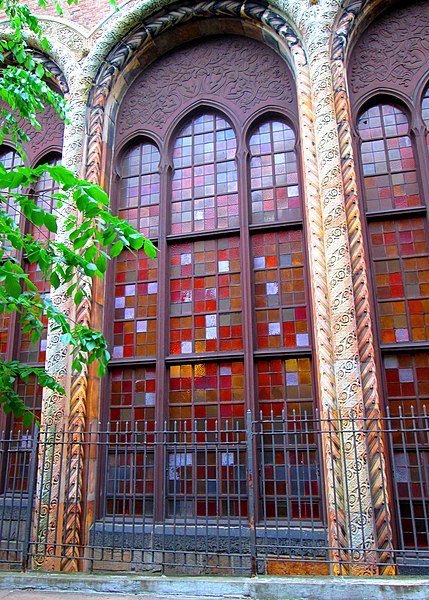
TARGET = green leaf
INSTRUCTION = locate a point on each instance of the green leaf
(101, 263)
(78, 297)
(55, 280)
(12, 286)
(116, 249)
(50, 222)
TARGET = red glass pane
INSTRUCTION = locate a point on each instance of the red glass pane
(140, 188)
(284, 387)
(205, 296)
(133, 399)
(274, 174)
(389, 169)
(204, 187)
(29, 351)
(206, 396)
(407, 383)
(401, 266)
(136, 287)
(11, 159)
(4, 334)
(43, 191)
(281, 313)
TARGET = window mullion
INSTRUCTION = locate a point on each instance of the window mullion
(246, 282)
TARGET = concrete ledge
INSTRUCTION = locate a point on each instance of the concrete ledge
(258, 588)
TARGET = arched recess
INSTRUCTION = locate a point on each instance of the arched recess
(220, 116)
(383, 140)
(45, 145)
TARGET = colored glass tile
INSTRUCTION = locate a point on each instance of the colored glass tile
(274, 174)
(280, 303)
(204, 186)
(389, 170)
(140, 188)
(136, 286)
(205, 296)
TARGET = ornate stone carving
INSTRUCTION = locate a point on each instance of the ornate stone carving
(242, 71)
(393, 50)
(373, 457)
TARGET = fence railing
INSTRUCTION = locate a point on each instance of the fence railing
(242, 498)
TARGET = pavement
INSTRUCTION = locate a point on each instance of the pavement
(82, 586)
(29, 594)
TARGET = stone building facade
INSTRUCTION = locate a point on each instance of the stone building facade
(281, 149)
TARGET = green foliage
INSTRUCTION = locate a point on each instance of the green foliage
(93, 234)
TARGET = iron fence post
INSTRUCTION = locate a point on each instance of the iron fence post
(251, 494)
(30, 506)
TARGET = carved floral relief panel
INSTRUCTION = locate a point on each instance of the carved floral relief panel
(393, 52)
(239, 70)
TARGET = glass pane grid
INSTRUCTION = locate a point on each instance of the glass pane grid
(140, 188)
(274, 174)
(43, 191)
(279, 288)
(133, 399)
(29, 351)
(204, 186)
(206, 396)
(388, 165)
(136, 289)
(401, 268)
(205, 297)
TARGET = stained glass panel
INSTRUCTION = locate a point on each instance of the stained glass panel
(389, 170)
(43, 191)
(17, 469)
(206, 396)
(274, 174)
(425, 111)
(136, 289)
(407, 383)
(11, 159)
(29, 351)
(140, 188)
(284, 386)
(204, 187)
(205, 296)
(281, 312)
(401, 266)
(133, 399)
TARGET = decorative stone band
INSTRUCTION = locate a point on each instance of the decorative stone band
(371, 401)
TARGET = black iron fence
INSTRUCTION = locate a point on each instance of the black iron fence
(239, 499)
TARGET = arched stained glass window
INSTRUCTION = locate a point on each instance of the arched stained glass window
(204, 188)
(227, 321)
(275, 194)
(140, 188)
(389, 169)
(425, 111)
(399, 246)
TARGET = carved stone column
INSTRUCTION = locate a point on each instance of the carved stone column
(358, 516)
(59, 488)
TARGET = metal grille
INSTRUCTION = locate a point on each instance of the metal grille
(235, 500)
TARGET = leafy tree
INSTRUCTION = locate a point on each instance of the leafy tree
(94, 234)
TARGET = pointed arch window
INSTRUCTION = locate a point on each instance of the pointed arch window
(231, 306)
